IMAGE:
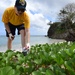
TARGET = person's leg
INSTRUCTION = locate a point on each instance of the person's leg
(9, 44)
(21, 31)
(9, 41)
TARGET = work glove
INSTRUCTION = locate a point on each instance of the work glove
(26, 49)
(11, 36)
(28, 46)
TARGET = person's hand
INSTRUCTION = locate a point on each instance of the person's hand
(26, 49)
(27, 46)
(11, 36)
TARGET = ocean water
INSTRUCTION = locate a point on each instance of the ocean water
(33, 41)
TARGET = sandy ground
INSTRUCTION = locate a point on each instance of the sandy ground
(18, 46)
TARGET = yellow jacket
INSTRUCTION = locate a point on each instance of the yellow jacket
(9, 15)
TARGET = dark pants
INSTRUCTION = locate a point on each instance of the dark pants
(13, 29)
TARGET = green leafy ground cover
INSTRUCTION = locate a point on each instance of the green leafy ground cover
(43, 59)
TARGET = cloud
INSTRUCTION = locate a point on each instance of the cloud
(6, 3)
(49, 8)
(39, 22)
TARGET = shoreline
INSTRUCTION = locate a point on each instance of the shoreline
(18, 47)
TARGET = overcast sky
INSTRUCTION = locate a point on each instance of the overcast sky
(40, 11)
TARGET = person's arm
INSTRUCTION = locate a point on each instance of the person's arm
(27, 37)
(7, 27)
(27, 29)
(8, 30)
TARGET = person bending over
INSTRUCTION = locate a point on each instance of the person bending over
(17, 18)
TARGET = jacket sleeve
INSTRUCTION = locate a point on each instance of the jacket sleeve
(26, 21)
(5, 17)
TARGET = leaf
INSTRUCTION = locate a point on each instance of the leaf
(59, 59)
(38, 61)
(36, 73)
(69, 68)
(7, 71)
(69, 52)
(49, 72)
(10, 54)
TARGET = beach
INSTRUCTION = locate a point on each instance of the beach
(33, 41)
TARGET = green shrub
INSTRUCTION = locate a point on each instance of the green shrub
(43, 59)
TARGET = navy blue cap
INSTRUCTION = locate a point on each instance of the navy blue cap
(20, 4)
